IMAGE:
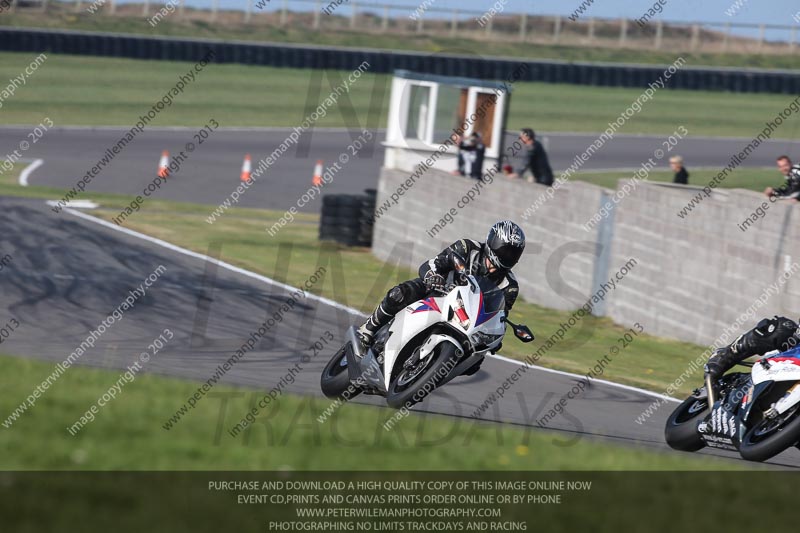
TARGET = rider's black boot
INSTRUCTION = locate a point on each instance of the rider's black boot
(368, 329)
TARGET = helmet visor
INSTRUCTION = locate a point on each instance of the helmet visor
(505, 257)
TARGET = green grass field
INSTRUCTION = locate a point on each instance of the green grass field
(754, 179)
(127, 433)
(103, 91)
(229, 29)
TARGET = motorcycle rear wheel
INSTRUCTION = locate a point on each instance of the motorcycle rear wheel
(681, 428)
(335, 380)
(407, 388)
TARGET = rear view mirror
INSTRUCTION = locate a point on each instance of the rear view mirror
(523, 333)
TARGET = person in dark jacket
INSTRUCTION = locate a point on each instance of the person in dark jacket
(471, 152)
(493, 259)
(791, 189)
(535, 159)
(681, 174)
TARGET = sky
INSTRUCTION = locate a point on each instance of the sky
(751, 11)
(778, 12)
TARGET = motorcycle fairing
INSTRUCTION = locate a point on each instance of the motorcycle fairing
(483, 314)
(724, 427)
(428, 304)
(781, 368)
(407, 324)
(785, 367)
(366, 369)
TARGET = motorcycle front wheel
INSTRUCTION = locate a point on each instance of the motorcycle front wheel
(770, 436)
(413, 383)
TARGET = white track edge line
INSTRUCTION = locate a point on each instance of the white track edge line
(23, 176)
(571, 374)
(322, 299)
(204, 257)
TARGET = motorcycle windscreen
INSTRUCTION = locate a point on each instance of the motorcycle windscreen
(794, 351)
(494, 300)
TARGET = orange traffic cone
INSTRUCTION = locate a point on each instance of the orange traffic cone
(317, 173)
(163, 171)
(246, 167)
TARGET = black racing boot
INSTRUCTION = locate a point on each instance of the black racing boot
(364, 336)
(366, 333)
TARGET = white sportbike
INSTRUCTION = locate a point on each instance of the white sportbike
(427, 344)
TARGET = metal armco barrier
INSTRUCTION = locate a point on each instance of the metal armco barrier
(319, 57)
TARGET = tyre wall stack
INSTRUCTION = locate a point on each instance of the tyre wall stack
(348, 218)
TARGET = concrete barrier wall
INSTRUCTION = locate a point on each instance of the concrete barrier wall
(558, 268)
(694, 278)
(698, 275)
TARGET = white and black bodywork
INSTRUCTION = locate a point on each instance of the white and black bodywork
(426, 344)
(756, 414)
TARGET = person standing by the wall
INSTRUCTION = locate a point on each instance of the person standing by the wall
(681, 174)
(535, 159)
(471, 152)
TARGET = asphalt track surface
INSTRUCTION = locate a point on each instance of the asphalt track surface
(68, 273)
(212, 171)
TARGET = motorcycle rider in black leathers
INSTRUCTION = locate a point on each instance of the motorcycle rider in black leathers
(777, 333)
(492, 259)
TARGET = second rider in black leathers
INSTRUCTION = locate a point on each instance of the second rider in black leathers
(777, 333)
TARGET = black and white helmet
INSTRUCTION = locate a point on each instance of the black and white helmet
(504, 244)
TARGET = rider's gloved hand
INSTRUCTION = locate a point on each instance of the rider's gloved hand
(434, 281)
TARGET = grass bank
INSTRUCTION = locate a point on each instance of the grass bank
(127, 433)
(96, 91)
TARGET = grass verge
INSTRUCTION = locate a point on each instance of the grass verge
(127, 434)
(100, 91)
